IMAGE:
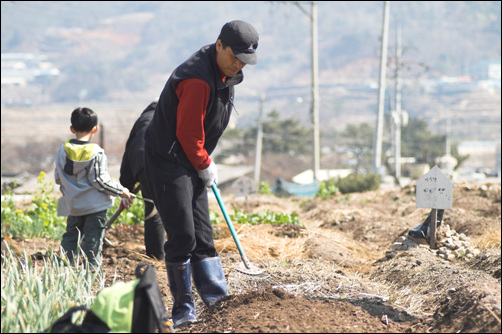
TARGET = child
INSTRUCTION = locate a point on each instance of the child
(81, 172)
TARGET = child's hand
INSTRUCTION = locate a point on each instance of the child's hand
(127, 198)
(126, 194)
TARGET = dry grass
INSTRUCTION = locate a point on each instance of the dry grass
(489, 240)
(259, 242)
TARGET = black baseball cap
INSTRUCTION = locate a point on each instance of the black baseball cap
(242, 38)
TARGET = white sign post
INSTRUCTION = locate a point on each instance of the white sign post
(434, 191)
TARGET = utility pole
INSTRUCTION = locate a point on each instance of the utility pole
(315, 84)
(315, 92)
(377, 142)
(397, 115)
(259, 141)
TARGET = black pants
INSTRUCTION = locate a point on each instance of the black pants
(155, 235)
(181, 199)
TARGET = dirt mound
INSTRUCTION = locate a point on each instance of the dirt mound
(276, 311)
(488, 261)
(436, 282)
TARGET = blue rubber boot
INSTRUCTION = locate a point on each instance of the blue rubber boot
(180, 284)
(209, 280)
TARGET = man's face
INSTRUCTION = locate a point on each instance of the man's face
(227, 61)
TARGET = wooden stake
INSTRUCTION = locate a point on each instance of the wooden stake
(432, 226)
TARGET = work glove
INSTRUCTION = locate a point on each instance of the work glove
(209, 175)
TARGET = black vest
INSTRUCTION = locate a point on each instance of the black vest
(161, 133)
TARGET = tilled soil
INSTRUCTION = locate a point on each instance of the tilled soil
(343, 272)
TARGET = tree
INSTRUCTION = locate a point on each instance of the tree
(359, 142)
(417, 141)
(284, 136)
(233, 142)
(279, 136)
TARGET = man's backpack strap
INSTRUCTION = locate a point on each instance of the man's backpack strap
(149, 313)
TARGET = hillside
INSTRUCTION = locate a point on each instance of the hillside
(116, 56)
(109, 48)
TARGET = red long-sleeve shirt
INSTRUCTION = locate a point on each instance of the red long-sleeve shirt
(194, 96)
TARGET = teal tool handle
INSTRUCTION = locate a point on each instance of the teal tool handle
(230, 225)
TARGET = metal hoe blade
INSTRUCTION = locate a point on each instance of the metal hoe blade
(245, 267)
(248, 269)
